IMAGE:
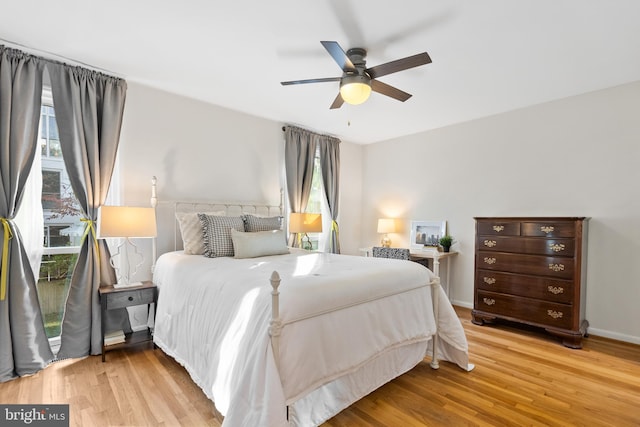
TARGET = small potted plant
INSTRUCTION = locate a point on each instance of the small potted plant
(445, 242)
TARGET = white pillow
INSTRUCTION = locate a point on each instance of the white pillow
(259, 243)
(191, 231)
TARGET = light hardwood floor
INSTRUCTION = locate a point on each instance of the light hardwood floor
(522, 377)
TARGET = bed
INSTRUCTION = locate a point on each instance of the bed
(293, 338)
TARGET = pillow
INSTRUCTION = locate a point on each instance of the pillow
(254, 223)
(191, 231)
(259, 243)
(217, 234)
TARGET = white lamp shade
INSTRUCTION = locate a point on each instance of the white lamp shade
(126, 221)
(355, 93)
(305, 223)
(386, 225)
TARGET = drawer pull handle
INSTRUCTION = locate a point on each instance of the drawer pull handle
(489, 280)
(554, 314)
(489, 301)
(547, 228)
(555, 289)
(489, 260)
(490, 243)
(130, 298)
(556, 267)
(556, 247)
(498, 228)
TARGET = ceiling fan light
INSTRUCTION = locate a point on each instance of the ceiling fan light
(355, 90)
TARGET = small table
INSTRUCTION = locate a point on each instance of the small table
(436, 256)
(112, 298)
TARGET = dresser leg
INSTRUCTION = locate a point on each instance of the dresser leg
(570, 340)
(481, 319)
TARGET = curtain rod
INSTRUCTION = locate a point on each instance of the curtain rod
(55, 57)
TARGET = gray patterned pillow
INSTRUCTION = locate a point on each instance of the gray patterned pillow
(217, 234)
(254, 223)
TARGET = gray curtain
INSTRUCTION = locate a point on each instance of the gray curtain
(89, 108)
(330, 165)
(299, 155)
(24, 347)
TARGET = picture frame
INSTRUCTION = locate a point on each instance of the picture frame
(426, 233)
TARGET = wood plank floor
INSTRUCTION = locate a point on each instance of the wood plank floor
(522, 377)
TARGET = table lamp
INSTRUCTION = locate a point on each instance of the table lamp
(126, 222)
(303, 223)
(386, 226)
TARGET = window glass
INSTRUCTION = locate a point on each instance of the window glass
(63, 229)
(316, 200)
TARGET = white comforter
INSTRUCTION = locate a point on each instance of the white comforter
(213, 317)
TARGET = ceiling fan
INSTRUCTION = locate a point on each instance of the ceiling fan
(357, 81)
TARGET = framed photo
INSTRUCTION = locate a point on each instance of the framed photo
(426, 233)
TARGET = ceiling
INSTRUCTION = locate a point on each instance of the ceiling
(488, 56)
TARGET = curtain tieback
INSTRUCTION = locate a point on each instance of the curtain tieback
(335, 229)
(5, 257)
(90, 226)
(334, 226)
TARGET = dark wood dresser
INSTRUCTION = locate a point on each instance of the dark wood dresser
(532, 270)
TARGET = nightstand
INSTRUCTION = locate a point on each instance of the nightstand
(112, 298)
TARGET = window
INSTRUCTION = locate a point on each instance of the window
(50, 189)
(318, 204)
(49, 139)
(63, 229)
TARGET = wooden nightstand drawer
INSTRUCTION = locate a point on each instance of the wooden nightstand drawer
(498, 228)
(527, 245)
(130, 298)
(549, 229)
(559, 267)
(543, 288)
(538, 312)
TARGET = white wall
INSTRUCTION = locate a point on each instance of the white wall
(200, 151)
(577, 156)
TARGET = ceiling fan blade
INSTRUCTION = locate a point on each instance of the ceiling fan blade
(299, 82)
(337, 103)
(385, 89)
(399, 65)
(338, 55)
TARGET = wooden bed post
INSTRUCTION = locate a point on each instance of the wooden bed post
(275, 325)
(435, 297)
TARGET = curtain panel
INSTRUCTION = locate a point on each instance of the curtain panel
(300, 151)
(24, 347)
(330, 166)
(89, 110)
(299, 155)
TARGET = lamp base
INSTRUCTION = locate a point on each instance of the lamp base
(127, 285)
(386, 242)
(307, 245)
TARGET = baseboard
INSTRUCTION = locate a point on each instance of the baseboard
(614, 335)
(463, 304)
(138, 328)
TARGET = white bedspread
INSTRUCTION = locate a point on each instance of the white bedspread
(213, 317)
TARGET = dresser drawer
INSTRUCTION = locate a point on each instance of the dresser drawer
(498, 228)
(549, 229)
(130, 298)
(527, 245)
(534, 311)
(553, 290)
(559, 267)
